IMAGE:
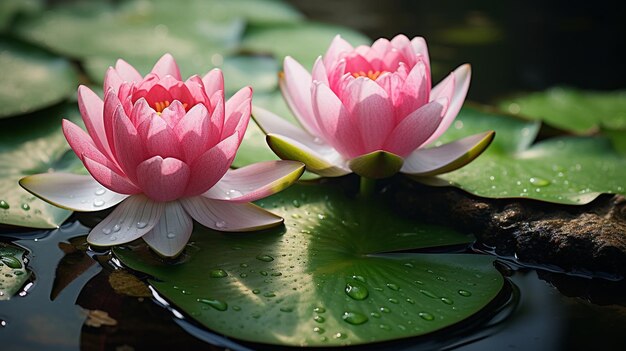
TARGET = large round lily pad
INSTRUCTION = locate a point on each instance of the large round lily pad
(29, 145)
(573, 110)
(566, 170)
(332, 276)
(13, 273)
(32, 78)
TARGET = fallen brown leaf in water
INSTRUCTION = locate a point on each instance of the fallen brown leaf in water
(127, 284)
(98, 318)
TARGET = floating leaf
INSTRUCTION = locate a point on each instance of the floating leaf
(135, 30)
(570, 109)
(29, 145)
(304, 42)
(13, 273)
(561, 170)
(32, 78)
(10, 8)
(332, 276)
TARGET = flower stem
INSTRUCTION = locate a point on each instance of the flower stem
(367, 187)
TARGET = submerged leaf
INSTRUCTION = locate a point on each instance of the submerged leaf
(330, 277)
(13, 272)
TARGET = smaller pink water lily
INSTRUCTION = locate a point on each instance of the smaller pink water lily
(371, 110)
(161, 148)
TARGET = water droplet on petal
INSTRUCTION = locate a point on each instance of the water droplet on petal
(171, 235)
(106, 231)
(220, 224)
(217, 304)
(218, 273)
(98, 203)
(100, 191)
(141, 225)
(116, 228)
(354, 318)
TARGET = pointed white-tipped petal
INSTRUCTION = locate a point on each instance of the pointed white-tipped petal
(71, 191)
(447, 157)
(229, 217)
(169, 237)
(133, 218)
(323, 160)
(271, 123)
(255, 181)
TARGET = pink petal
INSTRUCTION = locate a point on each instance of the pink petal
(461, 78)
(91, 108)
(213, 82)
(110, 179)
(217, 121)
(158, 94)
(255, 181)
(415, 129)
(319, 71)
(163, 179)
(145, 85)
(415, 91)
(166, 66)
(174, 113)
(295, 85)
(169, 237)
(142, 112)
(356, 63)
(229, 217)
(419, 47)
(193, 133)
(111, 104)
(112, 79)
(129, 148)
(237, 109)
(336, 49)
(197, 91)
(83, 145)
(336, 122)
(372, 112)
(127, 72)
(211, 166)
(130, 220)
(159, 139)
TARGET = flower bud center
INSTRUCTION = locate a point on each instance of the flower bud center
(373, 75)
(159, 106)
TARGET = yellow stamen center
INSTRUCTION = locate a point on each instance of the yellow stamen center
(162, 105)
(373, 75)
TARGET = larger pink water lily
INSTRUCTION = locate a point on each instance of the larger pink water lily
(161, 148)
(371, 110)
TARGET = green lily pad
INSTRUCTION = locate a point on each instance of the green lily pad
(135, 30)
(13, 273)
(29, 145)
(566, 170)
(304, 42)
(32, 78)
(331, 276)
(10, 8)
(574, 110)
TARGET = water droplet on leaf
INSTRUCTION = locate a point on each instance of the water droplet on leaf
(265, 258)
(217, 304)
(356, 291)
(218, 273)
(354, 318)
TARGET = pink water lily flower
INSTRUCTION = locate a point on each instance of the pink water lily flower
(371, 110)
(161, 148)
